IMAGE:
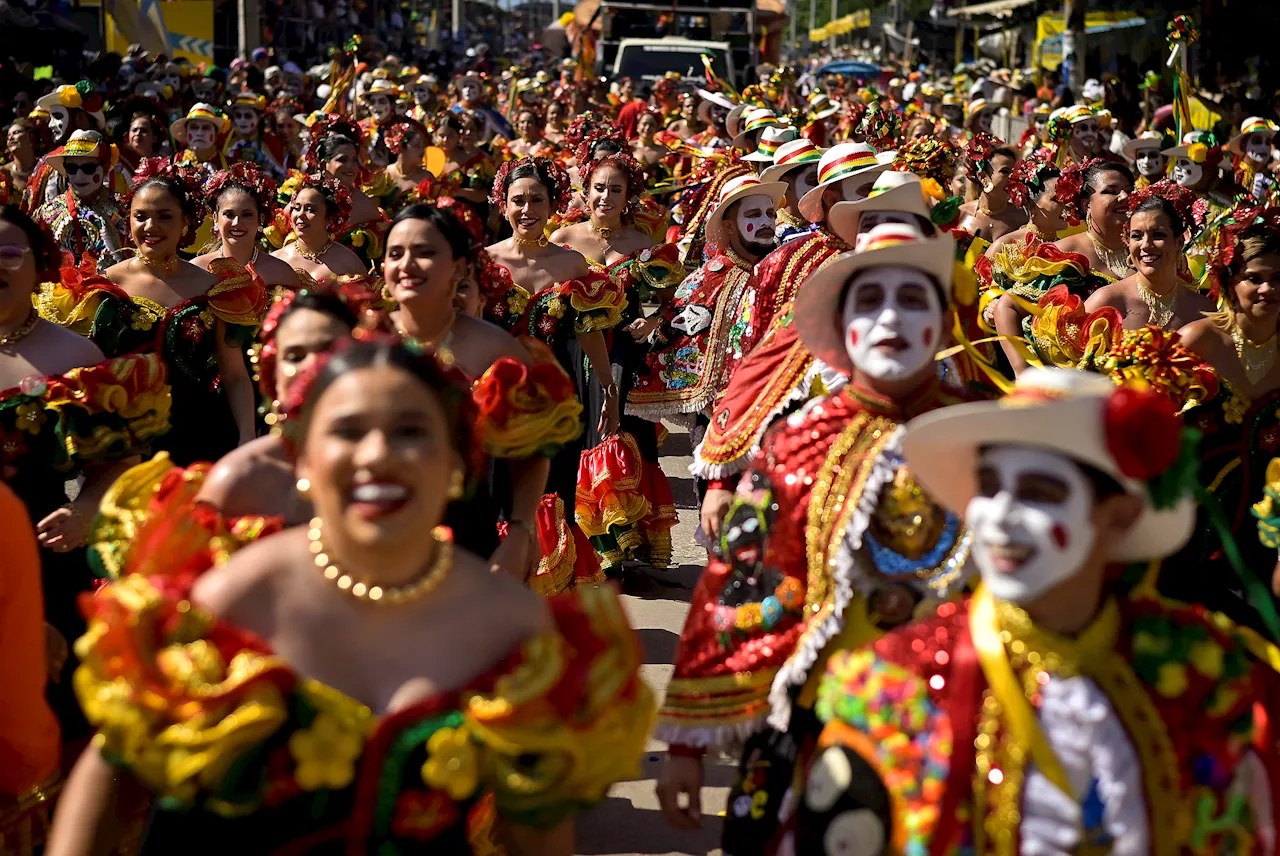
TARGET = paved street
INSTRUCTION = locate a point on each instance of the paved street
(630, 821)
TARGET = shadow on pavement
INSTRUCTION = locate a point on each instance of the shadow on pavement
(659, 645)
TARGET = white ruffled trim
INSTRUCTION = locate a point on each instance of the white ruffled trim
(723, 738)
(796, 670)
(833, 380)
(658, 412)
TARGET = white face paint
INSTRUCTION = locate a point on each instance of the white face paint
(1187, 172)
(470, 92)
(172, 80)
(205, 89)
(1030, 521)
(892, 321)
(421, 94)
(984, 121)
(856, 187)
(380, 106)
(58, 118)
(83, 184)
(246, 120)
(757, 219)
(806, 179)
(201, 135)
(1084, 135)
(1257, 148)
(1150, 163)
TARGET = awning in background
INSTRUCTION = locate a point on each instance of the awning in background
(1049, 29)
(999, 8)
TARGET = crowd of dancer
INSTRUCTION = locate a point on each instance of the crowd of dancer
(331, 425)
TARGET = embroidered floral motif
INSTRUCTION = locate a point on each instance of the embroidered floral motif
(326, 754)
(452, 764)
(30, 417)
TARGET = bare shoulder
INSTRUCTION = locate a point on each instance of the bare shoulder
(74, 351)
(247, 584)
(969, 207)
(573, 263)
(1073, 243)
(506, 602)
(233, 476)
(492, 340)
(1109, 295)
(119, 272)
(567, 233)
(344, 262)
(275, 271)
(205, 260)
(1007, 238)
(1201, 336)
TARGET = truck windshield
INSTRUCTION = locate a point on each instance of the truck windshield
(650, 62)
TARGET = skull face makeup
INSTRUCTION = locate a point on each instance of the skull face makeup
(1084, 136)
(380, 106)
(470, 92)
(201, 135)
(1257, 148)
(756, 220)
(58, 119)
(246, 121)
(421, 93)
(1187, 172)
(856, 187)
(84, 175)
(802, 181)
(1150, 163)
(1031, 521)
(205, 89)
(893, 321)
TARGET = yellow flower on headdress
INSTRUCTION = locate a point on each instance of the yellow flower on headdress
(326, 754)
(1197, 152)
(452, 764)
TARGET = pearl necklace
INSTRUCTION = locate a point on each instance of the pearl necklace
(1258, 360)
(1160, 306)
(419, 588)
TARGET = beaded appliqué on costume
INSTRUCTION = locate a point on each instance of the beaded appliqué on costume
(1257, 360)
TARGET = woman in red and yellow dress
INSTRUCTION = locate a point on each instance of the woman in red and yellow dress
(550, 293)
(467, 173)
(526, 406)
(242, 198)
(358, 684)
(318, 209)
(609, 240)
(407, 140)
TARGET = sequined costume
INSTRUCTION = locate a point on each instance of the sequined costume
(974, 731)
(184, 338)
(1029, 269)
(263, 148)
(287, 764)
(86, 229)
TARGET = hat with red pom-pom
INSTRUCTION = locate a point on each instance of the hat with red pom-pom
(1133, 435)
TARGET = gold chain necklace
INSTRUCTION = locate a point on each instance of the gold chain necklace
(15, 336)
(310, 256)
(1116, 261)
(1160, 306)
(1257, 360)
(253, 258)
(394, 595)
(166, 265)
(602, 233)
(540, 241)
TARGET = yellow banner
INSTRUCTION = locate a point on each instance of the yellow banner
(1050, 28)
(190, 26)
(861, 19)
(819, 35)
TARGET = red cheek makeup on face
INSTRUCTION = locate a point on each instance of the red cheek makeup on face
(1060, 536)
(853, 338)
(928, 336)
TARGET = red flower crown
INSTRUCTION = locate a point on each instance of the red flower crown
(623, 161)
(978, 152)
(563, 189)
(1183, 199)
(353, 292)
(394, 136)
(338, 214)
(248, 176)
(1218, 270)
(1029, 177)
(187, 180)
(1070, 185)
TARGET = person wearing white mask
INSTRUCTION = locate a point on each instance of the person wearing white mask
(1146, 155)
(86, 219)
(796, 163)
(1252, 150)
(1052, 689)
(829, 542)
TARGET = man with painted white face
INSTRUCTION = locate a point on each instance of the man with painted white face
(1252, 150)
(1051, 710)
(1198, 165)
(695, 349)
(830, 541)
(846, 172)
(248, 141)
(198, 134)
(70, 109)
(1084, 143)
(380, 101)
(471, 92)
(1145, 152)
(85, 219)
(796, 164)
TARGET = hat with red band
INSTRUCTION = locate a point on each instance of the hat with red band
(792, 155)
(773, 138)
(753, 120)
(845, 160)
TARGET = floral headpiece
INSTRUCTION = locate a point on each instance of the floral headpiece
(583, 127)
(1029, 177)
(928, 157)
(248, 176)
(81, 96)
(469, 219)
(327, 125)
(1070, 184)
(337, 214)
(1183, 199)
(623, 161)
(559, 178)
(403, 126)
(882, 128)
(354, 292)
(187, 180)
(978, 152)
(594, 137)
(1218, 270)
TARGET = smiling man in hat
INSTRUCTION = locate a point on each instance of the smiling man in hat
(1050, 712)
(696, 347)
(713, 111)
(198, 133)
(830, 541)
(86, 219)
(69, 109)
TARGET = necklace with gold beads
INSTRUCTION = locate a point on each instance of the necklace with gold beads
(17, 335)
(427, 582)
(310, 256)
(166, 265)
(1160, 306)
(1258, 360)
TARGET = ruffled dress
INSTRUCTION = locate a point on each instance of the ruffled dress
(555, 316)
(184, 336)
(50, 429)
(242, 750)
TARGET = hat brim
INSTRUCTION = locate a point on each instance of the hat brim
(740, 141)
(1236, 144)
(818, 312)
(715, 220)
(777, 171)
(1130, 149)
(810, 206)
(733, 122)
(942, 449)
(826, 114)
(842, 219)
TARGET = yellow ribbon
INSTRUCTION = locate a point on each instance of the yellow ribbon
(1020, 717)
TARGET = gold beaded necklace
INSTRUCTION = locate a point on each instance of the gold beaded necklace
(167, 265)
(310, 256)
(17, 335)
(1160, 306)
(394, 595)
(540, 241)
(1258, 360)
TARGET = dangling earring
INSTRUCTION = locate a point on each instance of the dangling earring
(304, 486)
(456, 485)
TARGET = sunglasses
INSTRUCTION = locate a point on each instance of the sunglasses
(78, 168)
(11, 257)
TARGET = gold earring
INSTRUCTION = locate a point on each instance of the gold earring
(456, 485)
(304, 486)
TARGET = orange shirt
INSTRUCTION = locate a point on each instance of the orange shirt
(28, 731)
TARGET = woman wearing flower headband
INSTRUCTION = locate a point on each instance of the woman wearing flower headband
(365, 222)
(318, 209)
(553, 295)
(466, 174)
(1160, 291)
(991, 215)
(370, 686)
(407, 140)
(644, 148)
(198, 321)
(243, 202)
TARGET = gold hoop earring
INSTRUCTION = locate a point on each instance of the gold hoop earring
(457, 485)
(304, 486)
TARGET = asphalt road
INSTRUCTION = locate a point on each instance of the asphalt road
(630, 822)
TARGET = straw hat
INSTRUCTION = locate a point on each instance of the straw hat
(1145, 140)
(384, 87)
(733, 190)
(838, 163)
(754, 119)
(819, 303)
(199, 111)
(1083, 416)
(893, 191)
(252, 100)
(83, 144)
(773, 138)
(1252, 125)
(792, 155)
(79, 97)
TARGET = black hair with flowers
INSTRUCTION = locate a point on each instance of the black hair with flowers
(546, 171)
(403, 127)
(248, 178)
(624, 162)
(1030, 177)
(337, 200)
(179, 182)
(344, 304)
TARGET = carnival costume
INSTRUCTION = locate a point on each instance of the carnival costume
(975, 730)
(261, 147)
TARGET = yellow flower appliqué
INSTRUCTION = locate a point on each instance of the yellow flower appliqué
(1197, 152)
(1207, 658)
(326, 754)
(30, 417)
(452, 763)
(1172, 681)
(517, 302)
(555, 308)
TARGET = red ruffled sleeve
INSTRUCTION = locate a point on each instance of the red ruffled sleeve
(597, 302)
(525, 410)
(239, 297)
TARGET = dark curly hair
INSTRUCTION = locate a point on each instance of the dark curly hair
(337, 201)
(182, 184)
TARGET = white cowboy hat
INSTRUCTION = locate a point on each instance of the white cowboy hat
(1060, 410)
(792, 155)
(733, 122)
(200, 112)
(754, 119)
(733, 190)
(839, 162)
(892, 191)
(1145, 140)
(1252, 125)
(819, 302)
(68, 98)
(771, 141)
(709, 100)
